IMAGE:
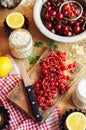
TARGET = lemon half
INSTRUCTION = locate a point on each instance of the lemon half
(15, 20)
(76, 121)
(5, 65)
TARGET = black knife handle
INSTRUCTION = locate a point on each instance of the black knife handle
(34, 104)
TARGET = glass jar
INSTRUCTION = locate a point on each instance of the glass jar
(21, 43)
(79, 95)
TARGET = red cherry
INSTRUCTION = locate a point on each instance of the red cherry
(48, 8)
(80, 20)
(82, 28)
(37, 85)
(52, 12)
(41, 92)
(70, 66)
(53, 96)
(48, 25)
(63, 67)
(47, 3)
(45, 16)
(51, 74)
(62, 91)
(68, 77)
(58, 27)
(66, 7)
(71, 23)
(76, 23)
(76, 12)
(50, 104)
(67, 87)
(65, 29)
(65, 13)
(44, 66)
(59, 16)
(46, 101)
(71, 15)
(72, 71)
(51, 19)
(45, 108)
(69, 33)
(72, 8)
(56, 84)
(84, 13)
(74, 64)
(77, 29)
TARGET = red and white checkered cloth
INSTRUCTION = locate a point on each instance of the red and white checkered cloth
(18, 120)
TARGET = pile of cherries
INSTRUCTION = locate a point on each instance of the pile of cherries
(55, 21)
(71, 10)
(54, 78)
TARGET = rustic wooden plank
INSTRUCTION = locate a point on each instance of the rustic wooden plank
(18, 95)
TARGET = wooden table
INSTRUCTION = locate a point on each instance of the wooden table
(77, 49)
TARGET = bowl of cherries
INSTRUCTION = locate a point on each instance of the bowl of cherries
(60, 20)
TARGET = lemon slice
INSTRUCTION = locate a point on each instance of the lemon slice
(76, 121)
(15, 20)
(5, 65)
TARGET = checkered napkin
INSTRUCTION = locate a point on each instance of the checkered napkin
(18, 120)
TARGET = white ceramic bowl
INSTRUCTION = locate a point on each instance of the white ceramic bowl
(37, 18)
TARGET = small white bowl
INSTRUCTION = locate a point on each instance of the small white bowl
(37, 18)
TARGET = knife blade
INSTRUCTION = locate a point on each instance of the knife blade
(29, 88)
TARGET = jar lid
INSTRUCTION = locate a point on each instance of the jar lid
(81, 90)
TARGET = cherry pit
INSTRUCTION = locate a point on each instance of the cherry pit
(57, 21)
(54, 78)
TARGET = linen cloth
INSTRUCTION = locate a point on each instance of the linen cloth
(18, 119)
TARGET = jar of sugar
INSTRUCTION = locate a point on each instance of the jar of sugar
(79, 95)
(21, 43)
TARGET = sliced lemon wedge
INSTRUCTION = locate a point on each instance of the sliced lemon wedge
(15, 20)
(76, 121)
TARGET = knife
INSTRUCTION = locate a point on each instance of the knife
(29, 88)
